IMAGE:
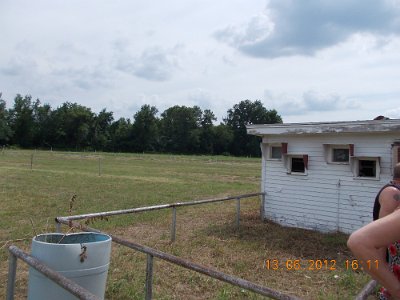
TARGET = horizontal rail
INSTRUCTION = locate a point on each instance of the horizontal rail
(59, 279)
(150, 208)
(262, 290)
(367, 290)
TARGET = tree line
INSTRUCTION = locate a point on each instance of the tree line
(179, 129)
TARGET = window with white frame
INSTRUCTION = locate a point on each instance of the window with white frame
(366, 167)
(275, 152)
(297, 164)
(337, 154)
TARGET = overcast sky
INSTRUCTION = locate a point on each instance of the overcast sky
(316, 60)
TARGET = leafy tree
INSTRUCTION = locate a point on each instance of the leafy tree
(180, 129)
(5, 130)
(145, 129)
(177, 124)
(44, 133)
(22, 120)
(73, 125)
(223, 138)
(120, 134)
(206, 138)
(244, 113)
(101, 129)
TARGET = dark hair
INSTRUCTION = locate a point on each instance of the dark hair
(396, 171)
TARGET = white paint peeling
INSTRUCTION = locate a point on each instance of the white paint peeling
(370, 126)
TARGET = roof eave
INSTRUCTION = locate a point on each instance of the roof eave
(369, 126)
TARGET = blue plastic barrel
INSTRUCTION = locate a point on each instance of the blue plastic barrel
(82, 257)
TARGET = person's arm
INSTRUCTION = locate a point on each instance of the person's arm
(367, 242)
(389, 200)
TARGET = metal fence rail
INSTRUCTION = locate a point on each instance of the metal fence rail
(367, 290)
(152, 253)
(59, 279)
(172, 206)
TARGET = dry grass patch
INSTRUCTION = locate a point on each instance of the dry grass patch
(207, 236)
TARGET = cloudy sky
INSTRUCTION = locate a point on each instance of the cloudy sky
(316, 60)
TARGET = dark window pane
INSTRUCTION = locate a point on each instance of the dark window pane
(367, 168)
(340, 155)
(297, 165)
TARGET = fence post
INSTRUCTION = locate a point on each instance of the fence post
(31, 161)
(99, 167)
(58, 227)
(237, 212)
(12, 270)
(149, 277)
(173, 225)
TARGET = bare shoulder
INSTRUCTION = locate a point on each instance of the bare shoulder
(390, 193)
(389, 200)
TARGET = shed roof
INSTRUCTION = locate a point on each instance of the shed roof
(369, 126)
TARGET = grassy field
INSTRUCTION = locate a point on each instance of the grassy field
(36, 186)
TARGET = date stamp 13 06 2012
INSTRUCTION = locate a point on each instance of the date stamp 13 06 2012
(319, 264)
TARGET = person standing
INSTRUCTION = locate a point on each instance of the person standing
(379, 241)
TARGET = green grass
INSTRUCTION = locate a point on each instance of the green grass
(32, 197)
(126, 181)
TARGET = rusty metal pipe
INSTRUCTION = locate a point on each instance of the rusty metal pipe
(367, 290)
(62, 281)
(259, 289)
(12, 270)
(149, 277)
(173, 225)
(150, 208)
(237, 213)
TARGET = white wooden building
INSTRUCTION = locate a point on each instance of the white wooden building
(325, 176)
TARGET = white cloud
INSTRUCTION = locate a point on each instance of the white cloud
(291, 27)
(153, 63)
(201, 97)
(18, 66)
(393, 113)
(259, 28)
(309, 101)
(331, 59)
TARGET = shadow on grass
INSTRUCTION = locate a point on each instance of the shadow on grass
(302, 243)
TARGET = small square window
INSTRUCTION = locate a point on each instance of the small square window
(276, 152)
(340, 155)
(366, 168)
(297, 165)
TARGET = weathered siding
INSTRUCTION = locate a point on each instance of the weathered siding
(328, 198)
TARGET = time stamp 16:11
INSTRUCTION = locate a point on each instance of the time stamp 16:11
(319, 264)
